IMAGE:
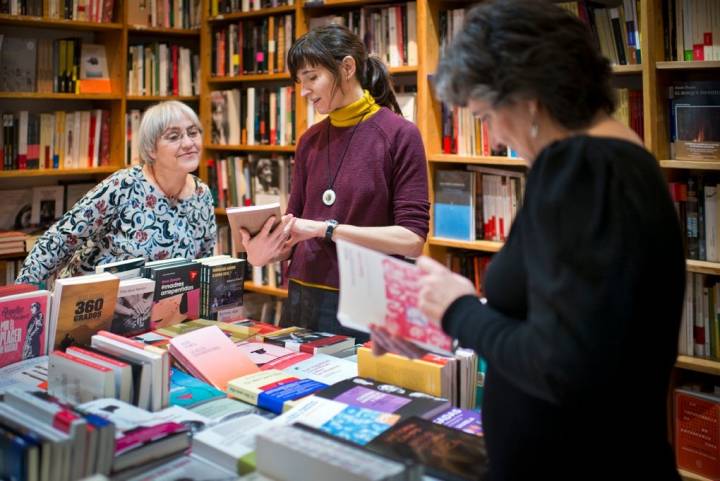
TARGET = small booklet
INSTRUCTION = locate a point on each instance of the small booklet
(381, 290)
(252, 219)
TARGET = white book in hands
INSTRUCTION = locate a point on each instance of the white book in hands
(376, 289)
(252, 219)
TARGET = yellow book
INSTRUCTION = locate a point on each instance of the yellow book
(413, 374)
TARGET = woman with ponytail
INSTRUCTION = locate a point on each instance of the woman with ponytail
(360, 175)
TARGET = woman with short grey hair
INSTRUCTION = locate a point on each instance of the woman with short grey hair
(155, 210)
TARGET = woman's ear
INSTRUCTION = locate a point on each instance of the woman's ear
(348, 67)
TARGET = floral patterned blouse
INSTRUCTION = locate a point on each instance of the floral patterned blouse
(123, 217)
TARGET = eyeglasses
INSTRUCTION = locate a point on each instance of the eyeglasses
(176, 136)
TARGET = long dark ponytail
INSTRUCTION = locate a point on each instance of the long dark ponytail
(327, 46)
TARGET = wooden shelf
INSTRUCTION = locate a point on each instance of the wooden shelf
(689, 164)
(688, 476)
(160, 98)
(58, 172)
(340, 3)
(703, 267)
(485, 246)
(479, 160)
(226, 17)
(698, 364)
(687, 65)
(45, 22)
(57, 96)
(177, 32)
(271, 291)
(627, 69)
(249, 78)
(220, 211)
(250, 148)
(404, 69)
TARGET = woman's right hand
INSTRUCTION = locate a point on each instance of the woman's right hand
(269, 244)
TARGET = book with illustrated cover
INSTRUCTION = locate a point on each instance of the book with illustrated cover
(446, 453)
(378, 396)
(177, 293)
(222, 282)
(24, 320)
(18, 64)
(26, 374)
(81, 307)
(381, 290)
(188, 391)
(133, 306)
(465, 420)
(695, 121)
(262, 353)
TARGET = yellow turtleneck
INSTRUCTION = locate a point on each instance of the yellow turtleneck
(362, 109)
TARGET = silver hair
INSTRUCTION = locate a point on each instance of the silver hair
(154, 122)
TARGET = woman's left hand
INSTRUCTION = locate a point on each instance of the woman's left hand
(305, 229)
(439, 287)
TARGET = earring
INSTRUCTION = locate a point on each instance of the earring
(534, 129)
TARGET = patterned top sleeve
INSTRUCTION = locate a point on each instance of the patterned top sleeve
(90, 215)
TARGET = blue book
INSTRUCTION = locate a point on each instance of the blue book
(454, 206)
(187, 391)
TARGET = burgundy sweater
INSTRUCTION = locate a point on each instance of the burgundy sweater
(382, 182)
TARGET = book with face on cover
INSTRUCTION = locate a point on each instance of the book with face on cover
(252, 219)
(381, 290)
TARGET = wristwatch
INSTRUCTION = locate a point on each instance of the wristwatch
(330, 230)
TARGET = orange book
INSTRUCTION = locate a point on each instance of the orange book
(697, 432)
(208, 354)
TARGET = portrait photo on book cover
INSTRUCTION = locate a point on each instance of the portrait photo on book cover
(266, 173)
(220, 131)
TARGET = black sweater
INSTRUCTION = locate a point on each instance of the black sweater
(580, 330)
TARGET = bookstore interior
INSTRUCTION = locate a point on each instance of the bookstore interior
(180, 368)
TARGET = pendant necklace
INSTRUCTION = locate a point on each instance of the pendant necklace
(329, 196)
(173, 199)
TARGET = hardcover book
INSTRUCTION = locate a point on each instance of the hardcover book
(24, 326)
(381, 290)
(251, 219)
(697, 432)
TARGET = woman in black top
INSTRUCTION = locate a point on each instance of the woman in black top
(582, 306)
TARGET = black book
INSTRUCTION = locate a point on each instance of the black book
(446, 453)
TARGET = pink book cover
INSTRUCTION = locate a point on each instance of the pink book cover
(23, 326)
(209, 352)
(403, 316)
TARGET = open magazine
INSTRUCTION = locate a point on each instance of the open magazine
(381, 290)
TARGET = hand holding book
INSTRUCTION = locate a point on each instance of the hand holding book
(271, 243)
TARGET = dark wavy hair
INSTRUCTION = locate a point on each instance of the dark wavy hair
(509, 50)
(327, 46)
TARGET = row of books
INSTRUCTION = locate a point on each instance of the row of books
(470, 264)
(479, 203)
(464, 134)
(44, 65)
(253, 179)
(252, 46)
(692, 30)
(253, 116)
(163, 69)
(629, 109)
(700, 329)
(231, 6)
(164, 13)
(616, 30)
(55, 140)
(81, 10)
(696, 203)
(388, 31)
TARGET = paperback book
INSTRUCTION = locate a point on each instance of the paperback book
(23, 326)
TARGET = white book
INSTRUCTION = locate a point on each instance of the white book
(49, 412)
(250, 118)
(122, 372)
(233, 115)
(226, 443)
(412, 51)
(79, 380)
(711, 226)
(324, 368)
(127, 350)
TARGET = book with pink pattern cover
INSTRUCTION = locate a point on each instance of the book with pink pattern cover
(381, 290)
